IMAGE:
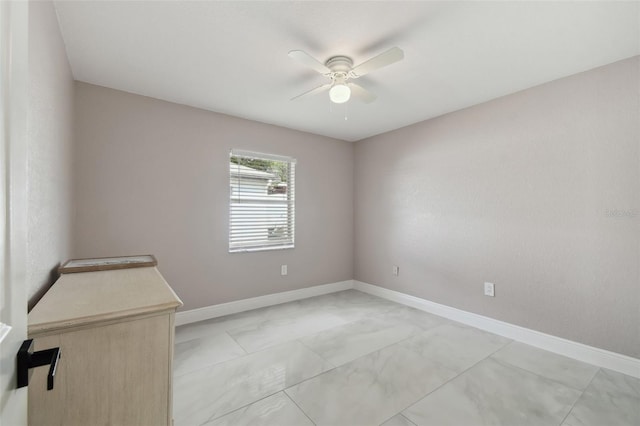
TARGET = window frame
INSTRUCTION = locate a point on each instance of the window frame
(235, 245)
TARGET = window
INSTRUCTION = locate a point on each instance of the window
(262, 200)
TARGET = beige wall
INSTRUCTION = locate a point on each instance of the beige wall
(49, 150)
(153, 177)
(537, 192)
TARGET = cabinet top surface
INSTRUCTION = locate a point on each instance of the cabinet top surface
(92, 297)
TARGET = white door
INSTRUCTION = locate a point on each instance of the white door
(13, 188)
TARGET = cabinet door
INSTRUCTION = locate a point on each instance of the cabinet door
(117, 374)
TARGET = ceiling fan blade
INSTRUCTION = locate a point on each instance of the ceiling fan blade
(315, 91)
(305, 59)
(392, 55)
(361, 93)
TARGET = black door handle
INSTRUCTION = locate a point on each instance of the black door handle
(28, 359)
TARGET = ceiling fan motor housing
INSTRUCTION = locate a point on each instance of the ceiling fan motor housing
(339, 64)
(340, 67)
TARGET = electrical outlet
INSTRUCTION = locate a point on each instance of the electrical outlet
(396, 270)
(283, 270)
(489, 290)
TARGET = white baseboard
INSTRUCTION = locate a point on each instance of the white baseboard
(592, 355)
(214, 311)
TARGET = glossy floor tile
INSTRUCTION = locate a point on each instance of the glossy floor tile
(277, 409)
(610, 399)
(210, 392)
(415, 317)
(352, 305)
(204, 351)
(219, 325)
(552, 366)
(274, 331)
(611, 381)
(349, 359)
(456, 346)
(340, 345)
(371, 389)
(398, 420)
(493, 393)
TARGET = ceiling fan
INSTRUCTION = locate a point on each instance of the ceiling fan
(340, 70)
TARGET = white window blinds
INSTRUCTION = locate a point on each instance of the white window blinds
(262, 201)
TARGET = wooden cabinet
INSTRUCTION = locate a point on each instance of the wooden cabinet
(115, 331)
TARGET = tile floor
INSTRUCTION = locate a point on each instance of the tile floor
(349, 359)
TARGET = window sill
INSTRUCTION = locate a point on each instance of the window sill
(255, 249)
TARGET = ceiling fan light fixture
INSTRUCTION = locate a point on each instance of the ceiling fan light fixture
(339, 93)
(340, 71)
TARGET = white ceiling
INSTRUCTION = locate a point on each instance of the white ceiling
(231, 56)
